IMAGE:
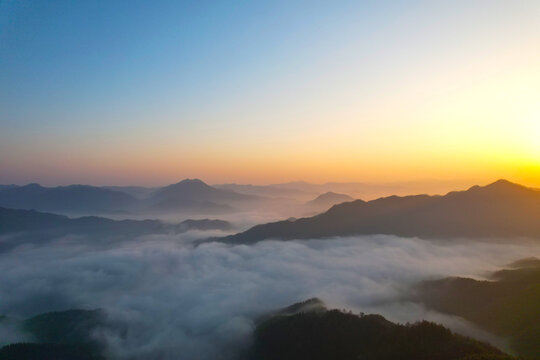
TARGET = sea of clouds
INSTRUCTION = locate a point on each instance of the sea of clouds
(180, 300)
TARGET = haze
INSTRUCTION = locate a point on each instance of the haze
(269, 180)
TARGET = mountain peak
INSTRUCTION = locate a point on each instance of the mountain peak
(191, 182)
(188, 184)
(499, 186)
(503, 183)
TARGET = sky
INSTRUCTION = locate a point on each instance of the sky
(151, 92)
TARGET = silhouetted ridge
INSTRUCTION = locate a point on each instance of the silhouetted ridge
(501, 209)
(30, 226)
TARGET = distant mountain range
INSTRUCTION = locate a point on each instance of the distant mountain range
(189, 195)
(274, 191)
(139, 192)
(304, 191)
(73, 198)
(31, 226)
(16, 220)
(501, 209)
(368, 191)
(34, 227)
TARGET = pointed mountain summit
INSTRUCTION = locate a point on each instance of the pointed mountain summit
(499, 187)
(194, 193)
(187, 189)
(499, 210)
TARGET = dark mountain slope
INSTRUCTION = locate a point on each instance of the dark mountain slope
(506, 305)
(501, 209)
(71, 327)
(302, 331)
(64, 335)
(309, 331)
(32, 351)
(14, 220)
(19, 227)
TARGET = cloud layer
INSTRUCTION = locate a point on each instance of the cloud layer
(202, 301)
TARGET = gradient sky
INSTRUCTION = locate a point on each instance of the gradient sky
(150, 92)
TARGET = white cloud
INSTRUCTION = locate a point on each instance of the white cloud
(202, 301)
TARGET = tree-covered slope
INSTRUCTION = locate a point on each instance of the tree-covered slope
(507, 304)
(64, 335)
(315, 333)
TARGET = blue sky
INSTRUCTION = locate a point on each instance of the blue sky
(86, 85)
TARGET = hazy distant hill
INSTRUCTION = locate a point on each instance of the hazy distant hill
(308, 331)
(139, 192)
(73, 198)
(195, 194)
(187, 195)
(202, 224)
(274, 191)
(506, 305)
(327, 200)
(17, 220)
(501, 209)
(366, 190)
(304, 191)
(30, 226)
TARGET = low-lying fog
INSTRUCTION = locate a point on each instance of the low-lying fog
(201, 301)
